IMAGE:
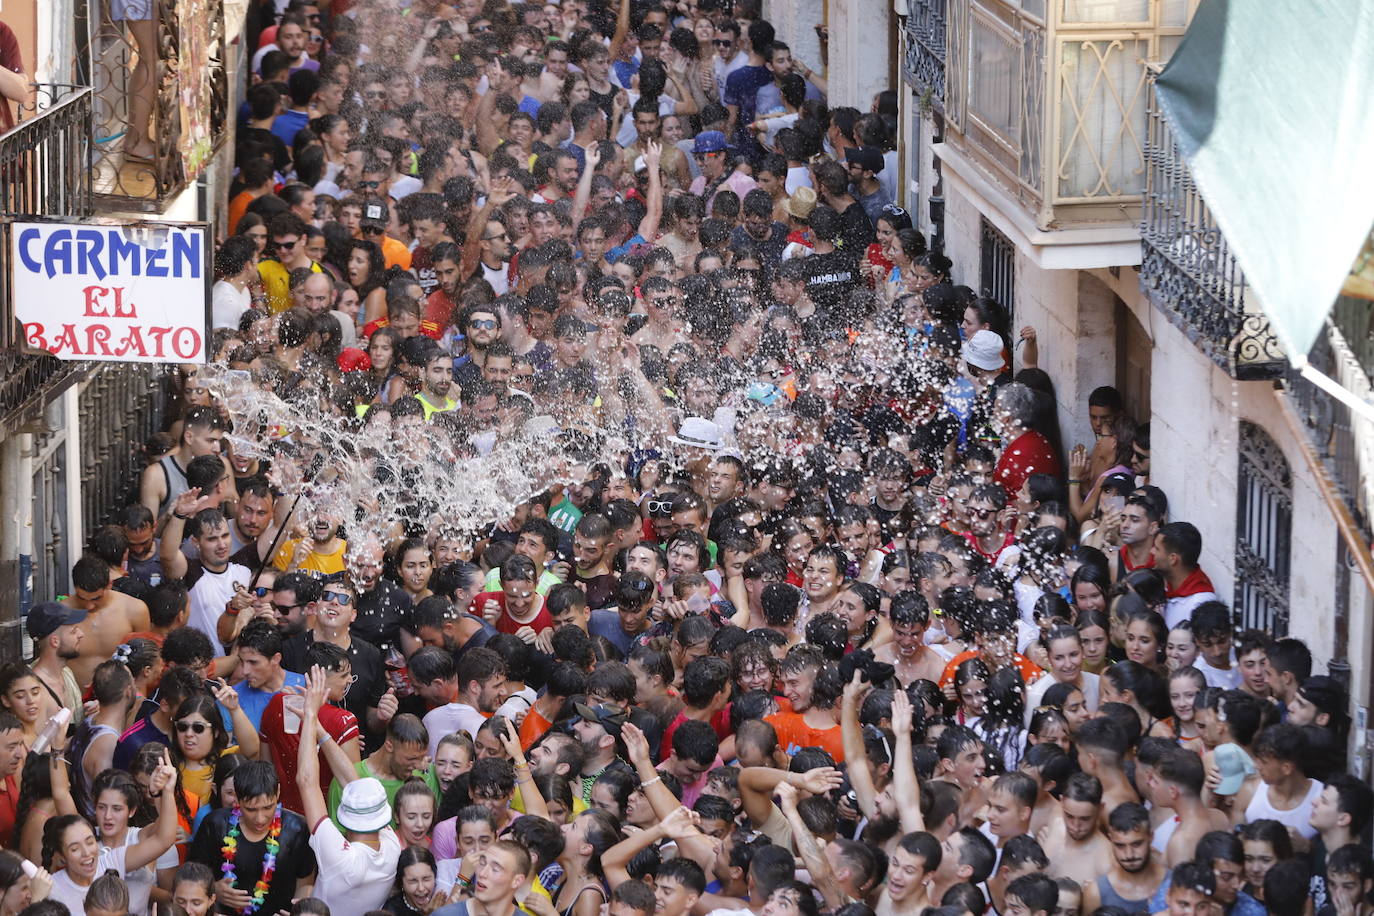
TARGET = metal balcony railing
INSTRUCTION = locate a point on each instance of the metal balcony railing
(44, 159)
(923, 41)
(1188, 269)
(185, 93)
(1342, 440)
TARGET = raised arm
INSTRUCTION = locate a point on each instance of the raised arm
(153, 843)
(906, 787)
(174, 562)
(529, 792)
(584, 184)
(756, 786)
(692, 843)
(810, 850)
(245, 734)
(860, 772)
(615, 863)
(653, 203)
(307, 753)
(622, 29)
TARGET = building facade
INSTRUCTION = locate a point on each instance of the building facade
(1035, 160)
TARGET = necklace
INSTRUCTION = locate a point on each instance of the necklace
(269, 862)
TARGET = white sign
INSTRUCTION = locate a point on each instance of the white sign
(124, 293)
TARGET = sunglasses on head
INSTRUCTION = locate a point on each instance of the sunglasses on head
(343, 598)
(199, 728)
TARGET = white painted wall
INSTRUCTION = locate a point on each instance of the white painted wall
(795, 22)
(859, 59)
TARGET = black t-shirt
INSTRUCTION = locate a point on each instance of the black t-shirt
(295, 860)
(382, 612)
(856, 231)
(368, 671)
(830, 278)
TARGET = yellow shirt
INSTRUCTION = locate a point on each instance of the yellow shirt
(326, 564)
(276, 282)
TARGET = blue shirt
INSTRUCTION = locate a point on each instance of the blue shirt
(254, 701)
(606, 622)
(626, 70)
(288, 124)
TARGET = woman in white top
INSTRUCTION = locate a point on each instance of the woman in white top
(117, 796)
(236, 264)
(1064, 652)
(70, 845)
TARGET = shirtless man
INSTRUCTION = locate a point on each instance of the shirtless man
(162, 482)
(110, 616)
(1102, 747)
(662, 302)
(1074, 841)
(908, 654)
(1135, 873)
(915, 859)
(1178, 782)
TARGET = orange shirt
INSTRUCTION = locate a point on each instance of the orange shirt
(237, 207)
(533, 728)
(394, 253)
(1030, 672)
(794, 734)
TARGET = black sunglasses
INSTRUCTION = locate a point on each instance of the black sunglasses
(199, 728)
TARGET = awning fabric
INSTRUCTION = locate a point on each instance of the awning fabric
(1273, 107)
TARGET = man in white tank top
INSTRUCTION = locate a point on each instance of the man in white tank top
(1283, 792)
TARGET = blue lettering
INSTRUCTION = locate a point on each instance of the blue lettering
(25, 238)
(90, 243)
(122, 249)
(57, 253)
(152, 266)
(186, 248)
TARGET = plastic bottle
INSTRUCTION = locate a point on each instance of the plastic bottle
(49, 732)
(398, 673)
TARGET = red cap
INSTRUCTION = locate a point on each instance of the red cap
(351, 358)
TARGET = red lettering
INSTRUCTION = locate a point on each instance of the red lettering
(157, 334)
(66, 341)
(93, 295)
(192, 345)
(98, 335)
(122, 311)
(133, 340)
(33, 333)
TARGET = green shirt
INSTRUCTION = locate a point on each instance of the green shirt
(565, 515)
(392, 786)
(547, 580)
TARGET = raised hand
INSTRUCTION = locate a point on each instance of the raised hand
(901, 712)
(636, 745)
(821, 780)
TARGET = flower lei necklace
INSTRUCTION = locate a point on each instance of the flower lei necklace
(269, 862)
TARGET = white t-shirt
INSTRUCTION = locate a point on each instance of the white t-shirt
(1035, 693)
(450, 718)
(227, 304)
(404, 186)
(1225, 678)
(210, 593)
(353, 877)
(67, 891)
(517, 702)
(141, 880)
(798, 176)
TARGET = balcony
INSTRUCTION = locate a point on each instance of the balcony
(923, 46)
(1047, 99)
(1189, 271)
(185, 94)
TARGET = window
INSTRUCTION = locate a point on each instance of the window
(997, 268)
(1264, 530)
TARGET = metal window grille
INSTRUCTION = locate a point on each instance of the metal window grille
(1264, 530)
(997, 267)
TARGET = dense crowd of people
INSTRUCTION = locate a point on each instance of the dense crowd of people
(601, 502)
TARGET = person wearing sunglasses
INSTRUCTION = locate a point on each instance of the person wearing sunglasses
(199, 737)
(285, 253)
(367, 696)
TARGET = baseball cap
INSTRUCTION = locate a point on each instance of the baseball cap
(363, 806)
(351, 358)
(375, 212)
(984, 351)
(608, 717)
(710, 141)
(869, 158)
(1327, 694)
(1235, 766)
(47, 616)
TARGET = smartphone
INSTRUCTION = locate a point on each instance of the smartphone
(1113, 501)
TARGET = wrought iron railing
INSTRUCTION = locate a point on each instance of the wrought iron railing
(1189, 271)
(121, 407)
(44, 159)
(923, 38)
(184, 93)
(1342, 440)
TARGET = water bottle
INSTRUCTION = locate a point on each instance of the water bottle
(49, 732)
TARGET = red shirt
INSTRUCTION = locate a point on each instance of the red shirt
(9, 807)
(438, 309)
(427, 328)
(720, 724)
(1029, 453)
(341, 724)
(1030, 672)
(508, 624)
